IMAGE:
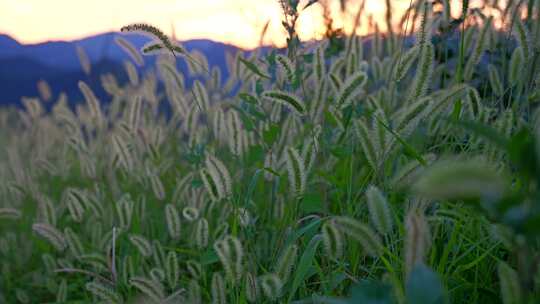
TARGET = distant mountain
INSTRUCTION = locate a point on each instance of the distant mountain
(7, 43)
(22, 81)
(21, 66)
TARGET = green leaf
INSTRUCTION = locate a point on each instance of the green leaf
(311, 203)
(269, 170)
(209, 257)
(306, 262)
(246, 120)
(271, 134)
(249, 98)
(252, 185)
(483, 131)
(424, 286)
(368, 292)
(408, 148)
(522, 153)
(253, 68)
(306, 230)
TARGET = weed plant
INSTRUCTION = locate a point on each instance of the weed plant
(393, 168)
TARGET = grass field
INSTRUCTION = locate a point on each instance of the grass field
(348, 170)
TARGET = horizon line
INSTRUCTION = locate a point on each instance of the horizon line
(80, 38)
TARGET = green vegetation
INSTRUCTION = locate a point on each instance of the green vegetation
(329, 173)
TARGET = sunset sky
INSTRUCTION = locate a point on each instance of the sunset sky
(232, 21)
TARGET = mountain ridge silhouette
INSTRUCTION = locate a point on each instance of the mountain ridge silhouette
(22, 65)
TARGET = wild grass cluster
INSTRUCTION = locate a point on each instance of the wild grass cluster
(401, 167)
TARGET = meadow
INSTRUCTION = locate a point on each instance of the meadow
(400, 167)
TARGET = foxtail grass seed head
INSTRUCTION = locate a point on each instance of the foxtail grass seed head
(103, 293)
(91, 100)
(44, 90)
(481, 44)
(296, 169)
(244, 217)
(417, 239)
(424, 33)
(73, 242)
(127, 270)
(309, 153)
(294, 103)
(510, 287)
(220, 176)
(270, 162)
(350, 89)
(130, 49)
(319, 103)
(158, 254)
(286, 262)
(503, 234)
(210, 185)
(152, 289)
(251, 288)
(49, 263)
(181, 188)
(365, 136)
(423, 72)
(194, 268)
(523, 38)
(157, 275)
(75, 205)
(62, 292)
(124, 209)
(172, 219)
(132, 73)
(379, 210)
(319, 64)
(332, 240)
(201, 233)
(201, 95)
(514, 68)
(460, 180)
(22, 296)
(10, 213)
(95, 260)
(405, 62)
(157, 187)
(194, 292)
(64, 263)
(154, 32)
(235, 133)
(360, 232)
(230, 253)
(122, 153)
(271, 285)
(286, 66)
(172, 269)
(218, 289)
(135, 114)
(142, 244)
(278, 210)
(84, 60)
(221, 231)
(51, 234)
(495, 80)
(190, 214)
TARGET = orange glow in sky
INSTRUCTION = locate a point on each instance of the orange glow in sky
(238, 22)
(233, 21)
